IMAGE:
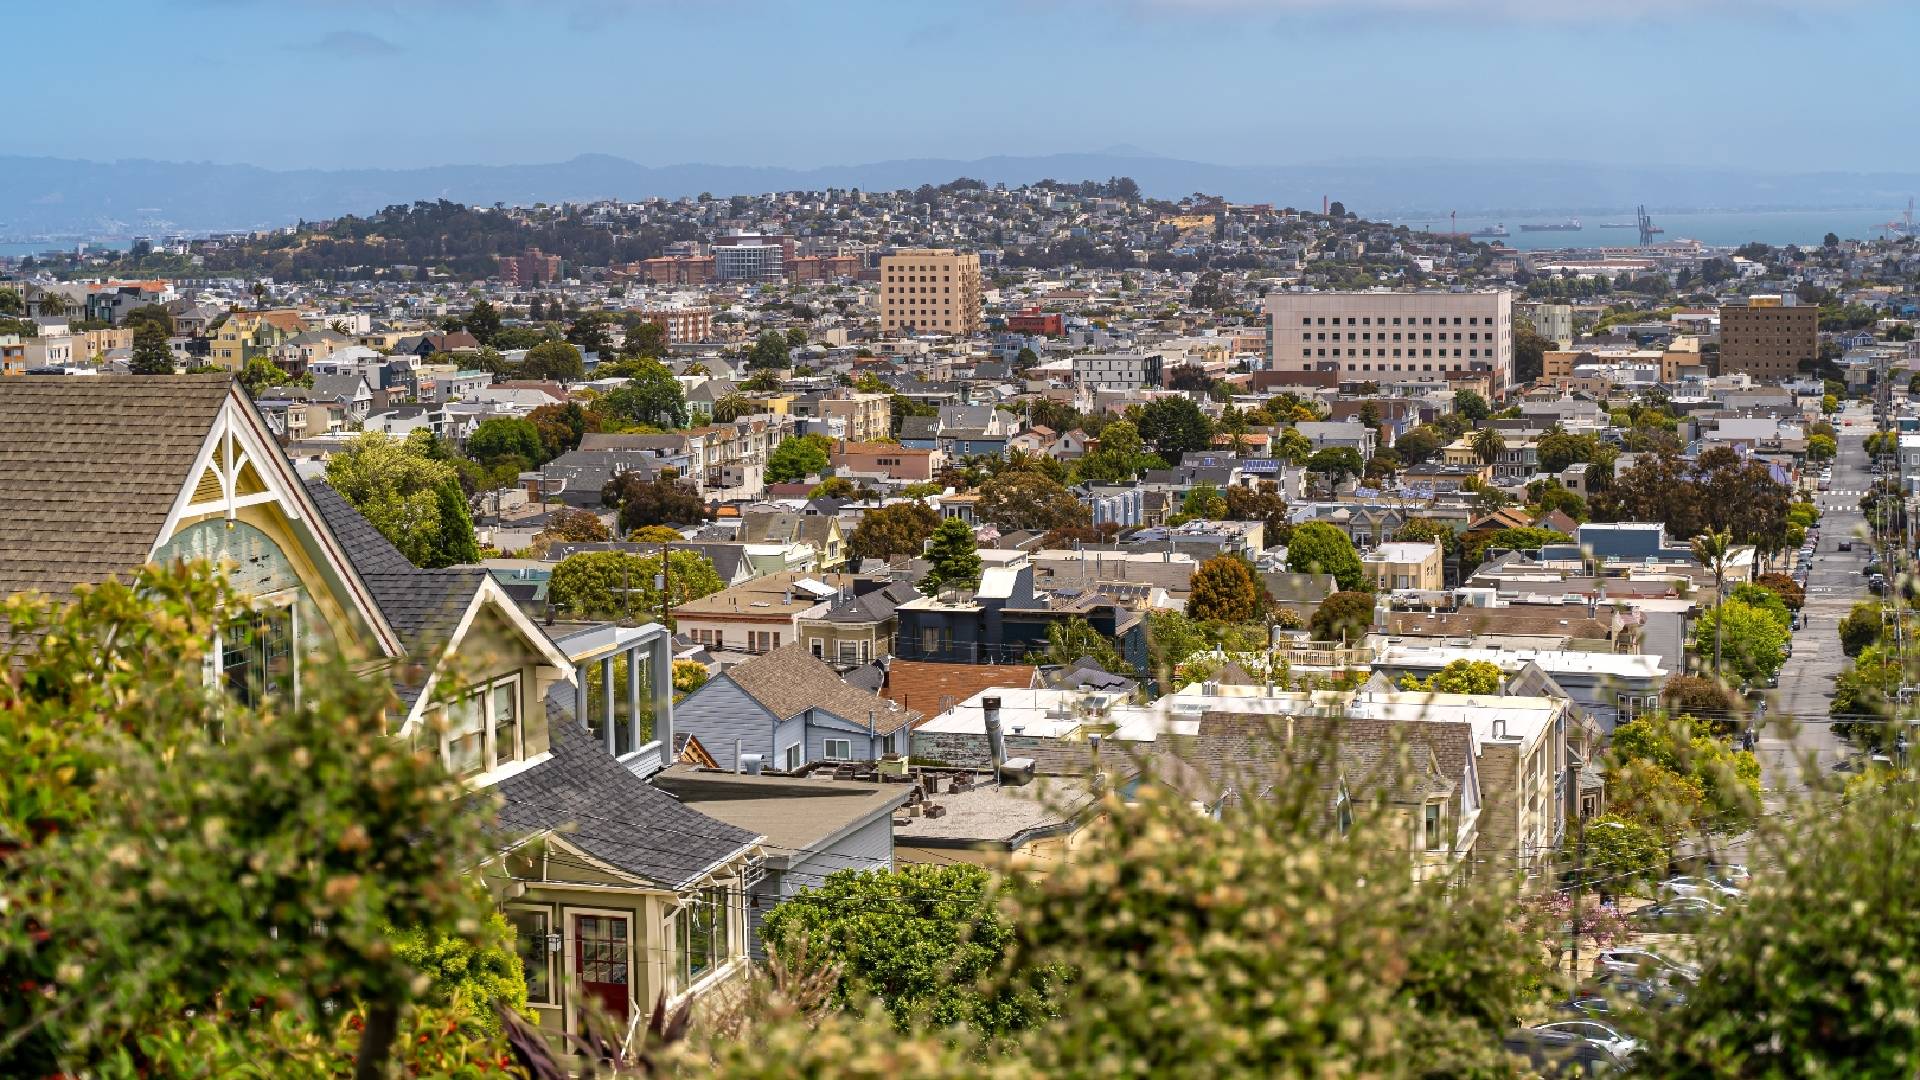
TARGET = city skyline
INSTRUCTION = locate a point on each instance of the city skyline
(373, 84)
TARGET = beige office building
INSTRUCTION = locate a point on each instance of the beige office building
(930, 291)
(1766, 337)
(1394, 336)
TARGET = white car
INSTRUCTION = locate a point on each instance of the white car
(1643, 962)
(1617, 1044)
(1703, 888)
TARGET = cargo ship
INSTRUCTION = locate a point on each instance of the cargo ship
(1570, 225)
(1491, 230)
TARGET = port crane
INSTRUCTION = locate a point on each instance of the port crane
(1905, 225)
(1648, 230)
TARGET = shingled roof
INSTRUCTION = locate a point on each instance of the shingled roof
(90, 466)
(788, 681)
(595, 804)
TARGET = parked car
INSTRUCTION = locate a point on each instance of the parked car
(1561, 1054)
(1733, 874)
(1631, 961)
(1594, 1031)
(1677, 914)
(1846, 545)
(1702, 886)
(1656, 992)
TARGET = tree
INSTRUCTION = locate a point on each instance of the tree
(920, 939)
(1417, 447)
(1714, 550)
(1488, 444)
(592, 332)
(1337, 463)
(1784, 587)
(688, 676)
(1471, 406)
(483, 322)
(465, 972)
(1549, 496)
(1621, 852)
(498, 438)
(651, 396)
(1696, 696)
(575, 527)
(414, 500)
(769, 352)
(1070, 640)
(1342, 616)
(1119, 455)
(647, 339)
(955, 556)
(620, 585)
(1754, 640)
(11, 304)
(561, 427)
(160, 877)
(1174, 426)
(644, 502)
(1821, 447)
(1421, 530)
(1292, 447)
(834, 487)
(1262, 504)
(1475, 545)
(1761, 598)
(796, 458)
(256, 378)
(1861, 627)
(655, 534)
(733, 406)
(1320, 548)
(1529, 351)
(151, 353)
(1029, 501)
(1204, 501)
(1225, 588)
(1460, 677)
(557, 360)
(899, 529)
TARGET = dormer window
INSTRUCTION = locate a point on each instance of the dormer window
(483, 729)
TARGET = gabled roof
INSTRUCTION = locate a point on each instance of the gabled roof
(788, 681)
(600, 808)
(90, 467)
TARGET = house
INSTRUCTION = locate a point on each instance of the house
(785, 709)
(249, 334)
(888, 461)
(857, 626)
(351, 392)
(1005, 620)
(821, 532)
(760, 614)
(607, 876)
(1404, 565)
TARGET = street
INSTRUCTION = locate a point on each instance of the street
(1797, 710)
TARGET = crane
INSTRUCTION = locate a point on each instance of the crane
(1648, 230)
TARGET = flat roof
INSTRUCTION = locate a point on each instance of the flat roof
(794, 814)
(989, 816)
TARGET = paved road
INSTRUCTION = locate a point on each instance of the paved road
(1834, 586)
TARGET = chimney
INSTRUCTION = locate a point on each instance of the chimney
(996, 742)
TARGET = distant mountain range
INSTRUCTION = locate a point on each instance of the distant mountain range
(54, 196)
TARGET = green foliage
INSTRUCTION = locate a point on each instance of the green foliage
(1677, 773)
(1784, 587)
(922, 940)
(1821, 447)
(483, 322)
(616, 584)
(561, 427)
(1754, 641)
(688, 676)
(1476, 545)
(1421, 530)
(471, 974)
(1120, 456)
(1865, 697)
(169, 851)
(1761, 598)
(1460, 677)
(151, 353)
(1174, 426)
(1320, 548)
(1471, 406)
(1292, 447)
(413, 499)
(798, 457)
(577, 527)
(1204, 501)
(644, 502)
(954, 554)
(1336, 463)
(1262, 504)
(651, 396)
(1861, 627)
(557, 360)
(1342, 616)
(1225, 589)
(501, 438)
(259, 376)
(1697, 696)
(1070, 639)
(1030, 501)
(1622, 852)
(899, 529)
(769, 351)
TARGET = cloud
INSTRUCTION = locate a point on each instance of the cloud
(353, 43)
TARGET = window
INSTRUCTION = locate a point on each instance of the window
(1435, 841)
(466, 737)
(531, 928)
(504, 703)
(793, 758)
(256, 656)
(1343, 812)
(704, 933)
(839, 749)
(819, 649)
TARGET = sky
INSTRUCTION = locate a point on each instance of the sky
(1765, 85)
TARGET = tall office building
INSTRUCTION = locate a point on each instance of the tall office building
(930, 290)
(750, 257)
(1393, 336)
(1767, 337)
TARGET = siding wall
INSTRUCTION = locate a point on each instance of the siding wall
(869, 847)
(719, 714)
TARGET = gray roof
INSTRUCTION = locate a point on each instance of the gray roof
(600, 807)
(90, 466)
(788, 681)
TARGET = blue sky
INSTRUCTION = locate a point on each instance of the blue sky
(1761, 84)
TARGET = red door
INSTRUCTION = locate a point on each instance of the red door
(600, 957)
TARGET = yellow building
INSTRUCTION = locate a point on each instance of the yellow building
(930, 290)
(1405, 565)
(247, 334)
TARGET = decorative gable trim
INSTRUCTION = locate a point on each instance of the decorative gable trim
(490, 592)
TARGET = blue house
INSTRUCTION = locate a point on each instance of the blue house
(790, 709)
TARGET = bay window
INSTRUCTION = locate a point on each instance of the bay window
(704, 933)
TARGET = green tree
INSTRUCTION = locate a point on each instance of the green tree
(1032, 502)
(1754, 639)
(1621, 852)
(11, 304)
(1476, 545)
(1225, 588)
(592, 332)
(1529, 351)
(1488, 444)
(1262, 504)
(1174, 426)
(1821, 447)
(256, 378)
(1471, 406)
(620, 585)
(796, 458)
(499, 438)
(1070, 639)
(769, 352)
(1120, 455)
(688, 676)
(1764, 599)
(955, 556)
(562, 427)
(1342, 616)
(483, 322)
(1714, 550)
(151, 353)
(1697, 696)
(646, 339)
(1336, 463)
(1861, 627)
(414, 500)
(1460, 677)
(920, 939)
(651, 396)
(574, 527)
(660, 501)
(1422, 530)
(557, 360)
(472, 974)
(733, 406)
(1320, 548)
(899, 529)
(1292, 447)
(1417, 447)
(1204, 501)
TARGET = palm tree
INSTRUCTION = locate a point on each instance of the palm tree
(52, 304)
(1488, 444)
(1713, 550)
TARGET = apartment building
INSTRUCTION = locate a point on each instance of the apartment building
(1767, 337)
(1117, 371)
(751, 257)
(1393, 336)
(1551, 321)
(930, 290)
(533, 268)
(683, 325)
(1404, 565)
(868, 417)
